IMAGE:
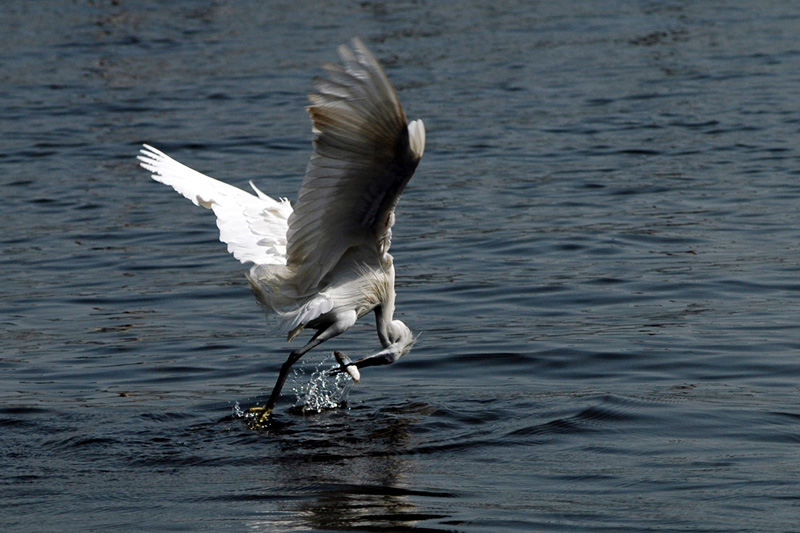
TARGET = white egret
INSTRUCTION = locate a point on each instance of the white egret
(325, 262)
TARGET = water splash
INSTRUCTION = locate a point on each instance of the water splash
(323, 390)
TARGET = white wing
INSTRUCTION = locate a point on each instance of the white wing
(365, 153)
(253, 226)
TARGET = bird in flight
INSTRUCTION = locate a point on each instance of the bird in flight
(323, 263)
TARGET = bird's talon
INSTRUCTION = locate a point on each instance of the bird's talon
(259, 415)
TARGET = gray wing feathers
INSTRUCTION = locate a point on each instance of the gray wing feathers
(364, 154)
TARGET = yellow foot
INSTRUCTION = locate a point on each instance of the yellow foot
(258, 416)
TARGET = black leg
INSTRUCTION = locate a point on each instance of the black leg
(339, 326)
(262, 414)
(285, 368)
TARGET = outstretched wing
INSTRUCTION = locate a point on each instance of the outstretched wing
(253, 226)
(365, 153)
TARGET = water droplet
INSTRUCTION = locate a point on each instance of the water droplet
(324, 390)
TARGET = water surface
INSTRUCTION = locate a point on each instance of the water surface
(600, 249)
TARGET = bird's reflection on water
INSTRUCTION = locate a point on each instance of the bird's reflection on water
(348, 473)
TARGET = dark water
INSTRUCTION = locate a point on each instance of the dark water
(600, 248)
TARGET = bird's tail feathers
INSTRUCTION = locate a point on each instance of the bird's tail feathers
(273, 288)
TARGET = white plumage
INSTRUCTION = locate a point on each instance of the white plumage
(324, 263)
(253, 227)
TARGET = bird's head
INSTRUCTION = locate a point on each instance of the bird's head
(400, 335)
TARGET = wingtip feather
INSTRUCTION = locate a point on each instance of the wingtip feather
(416, 137)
